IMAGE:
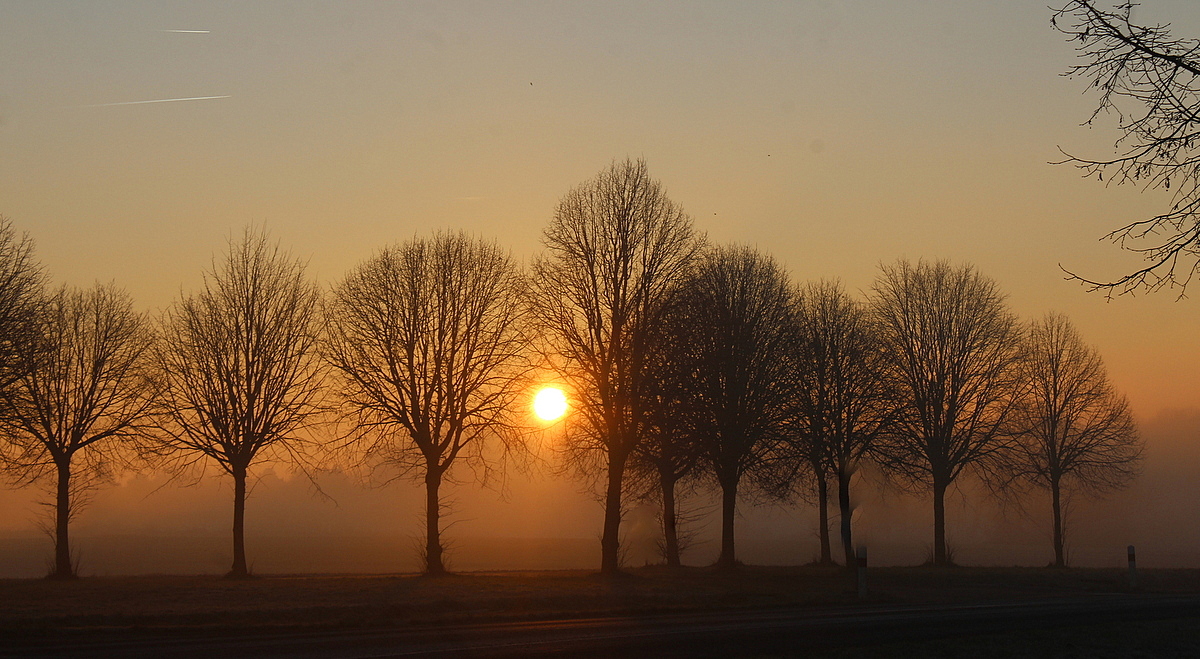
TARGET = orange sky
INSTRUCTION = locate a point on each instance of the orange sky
(836, 135)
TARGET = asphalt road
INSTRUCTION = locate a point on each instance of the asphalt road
(709, 634)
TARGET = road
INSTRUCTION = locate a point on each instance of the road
(711, 634)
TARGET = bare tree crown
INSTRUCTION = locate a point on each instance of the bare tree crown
(238, 361)
(953, 346)
(844, 396)
(429, 339)
(1151, 82)
(1075, 428)
(738, 324)
(21, 284)
(82, 382)
(616, 245)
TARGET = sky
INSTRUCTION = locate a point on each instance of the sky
(834, 135)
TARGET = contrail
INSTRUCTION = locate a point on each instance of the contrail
(157, 100)
(188, 31)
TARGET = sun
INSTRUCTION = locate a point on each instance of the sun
(550, 403)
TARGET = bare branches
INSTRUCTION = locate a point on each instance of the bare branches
(844, 397)
(1075, 426)
(1075, 431)
(82, 382)
(238, 361)
(81, 396)
(21, 282)
(1151, 82)
(952, 346)
(667, 456)
(616, 245)
(240, 379)
(428, 337)
(734, 317)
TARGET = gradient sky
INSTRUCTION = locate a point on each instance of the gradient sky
(836, 135)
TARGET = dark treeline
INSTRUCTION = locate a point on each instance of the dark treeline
(688, 367)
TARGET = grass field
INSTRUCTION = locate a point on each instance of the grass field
(353, 601)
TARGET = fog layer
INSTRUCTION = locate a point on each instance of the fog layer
(539, 520)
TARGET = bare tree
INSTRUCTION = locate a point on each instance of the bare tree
(240, 378)
(21, 283)
(1077, 433)
(844, 398)
(952, 348)
(815, 464)
(736, 316)
(668, 455)
(665, 460)
(616, 246)
(428, 339)
(81, 396)
(1151, 81)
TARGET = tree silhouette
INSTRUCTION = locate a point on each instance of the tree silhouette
(21, 297)
(736, 316)
(844, 398)
(952, 348)
(616, 245)
(1151, 81)
(239, 372)
(82, 395)
(428, 339)
(668, 455)
(1076, 432)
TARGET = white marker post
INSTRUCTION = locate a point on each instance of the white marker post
(861, 556)
(1133, 584)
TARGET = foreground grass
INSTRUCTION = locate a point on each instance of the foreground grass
(348, 602)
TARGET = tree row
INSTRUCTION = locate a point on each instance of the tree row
(685, 364)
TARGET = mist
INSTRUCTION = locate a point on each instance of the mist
(540, 519)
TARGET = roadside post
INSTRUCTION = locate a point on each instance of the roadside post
(861, 569)
(1133, 581)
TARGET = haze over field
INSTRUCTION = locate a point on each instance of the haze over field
(835, 136)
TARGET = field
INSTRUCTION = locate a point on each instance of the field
(1149, 639)
(282, 602)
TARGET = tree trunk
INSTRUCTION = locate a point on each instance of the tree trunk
(939, 523)
(239, 571)
(847, 513)
(1056, 499)
(610, 542)
(433, 538)
(670, 532)
(62, 511)
(823, 517)
(728, 558)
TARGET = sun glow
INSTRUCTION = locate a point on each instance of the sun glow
(550, 403)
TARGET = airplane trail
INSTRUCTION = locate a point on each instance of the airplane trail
(157, 100)
(188, 31)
